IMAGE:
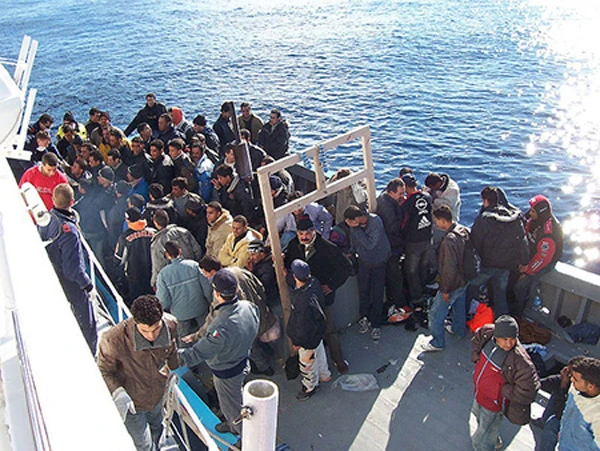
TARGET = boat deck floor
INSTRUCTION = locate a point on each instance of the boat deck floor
(423, 402)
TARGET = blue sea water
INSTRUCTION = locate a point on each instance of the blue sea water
(493, 92)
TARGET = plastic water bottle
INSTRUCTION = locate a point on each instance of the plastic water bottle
(537, 302)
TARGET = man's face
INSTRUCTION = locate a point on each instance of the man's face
(435, 187)
(246, 112)
(150, 101)
(85, 153)
(306, 236)
(155, 153)
(150, 333)
(174, 152)
(177, 192)
(69, 136)
(94, 163)
(208, 274)
(229, 156)
(533, 214)
(47, 170)
(46, 125)
(163, 125)
(198, 128)
(212, 215)
(104, 183)
(256, 257)
(146, 133)
(137, 148)
(442, 224)
(43, 142)
(506, 343)
(581, 385)
(76, 170)
(398, 195)
(238, 229)
(113, 141)
(196, 153)
(112, 162)
(104, 122)
(95, 118)
(274, 119)
(223, 180)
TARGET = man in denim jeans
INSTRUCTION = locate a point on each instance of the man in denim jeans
(452, 280)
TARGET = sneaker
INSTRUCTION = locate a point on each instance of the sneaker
(376, 333)
(399, 315)
(363, 325)
(499, 443)
(449, 329)
(303, 395)
(428, 347)
(223, 427)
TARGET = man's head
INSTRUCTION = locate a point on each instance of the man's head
(113, 158)
(214, 210)
(106, 177)
(239, 226)
(300, 271)
(443, 217)
(86, 150)
(293, 196)
(489, 196)
(43, 139)
(176, 147)
(275, 117)
(276, 184)
(410, 182)
(179, 186)
(305, 230)
(355, 217)
(160, 219)
(49, 164)
(145, 131)
(68, 132)
(156, 148)
(196, 151)
(172, 249)
(136, 201)
(226, 110)
(96, 159)
(150, 99)
(585, 376)
(156, 191)
(134, 172)
(396, 189)
(78, 167)
(246, 109)
(224, 174)
(257, 251)
(104, 119)
(506, 332)
(45, 121)
(164, 122)
(209, 266)
(245, 135)
(199, 123)
(94, 114)
(132, 215)
(115, 138)
(147, 314)
(539, 208)
(434, 181)
(137, 146)
(62, 196)
(225, 285)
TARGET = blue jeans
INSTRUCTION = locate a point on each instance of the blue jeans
(498, 278)
(438, 312)
(550, 434)
(488, 426)
(145, 428)
(371, 284)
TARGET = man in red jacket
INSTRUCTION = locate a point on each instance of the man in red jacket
(45, 177)
(505, 380)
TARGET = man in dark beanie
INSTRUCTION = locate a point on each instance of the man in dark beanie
(505, 379)
(225, 346)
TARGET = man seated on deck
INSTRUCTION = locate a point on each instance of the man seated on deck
(134, 358)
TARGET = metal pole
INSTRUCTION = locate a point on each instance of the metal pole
(260, 424)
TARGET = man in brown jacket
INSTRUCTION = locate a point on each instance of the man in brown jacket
(134, 358)
(505, 380)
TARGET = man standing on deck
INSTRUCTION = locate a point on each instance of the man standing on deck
(149, 114)
(45, 177)
(66, 254)
(225, 346)
(223, 129)
(274, 137)
(505, 379)
(250, 121)
(135, 358)
(330, 267)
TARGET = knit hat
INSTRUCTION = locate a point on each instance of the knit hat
(225, 283)
(409, 179)
(194, 205)
(506, 327)
(540, 204)
(135, 171)
(256, 246)
(69, 117)
(107, 173)
(133, 214)
(275, 182)
(300, 269)
(177, 115)
(304, 223)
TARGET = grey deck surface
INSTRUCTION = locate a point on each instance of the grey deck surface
(423, 403)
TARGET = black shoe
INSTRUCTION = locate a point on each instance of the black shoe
(223, 427)
(254, 370)
(303, 395)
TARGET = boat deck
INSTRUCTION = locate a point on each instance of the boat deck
(423, 403)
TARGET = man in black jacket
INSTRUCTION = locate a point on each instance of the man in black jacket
(274, 137)
(234, 194)
(498, 236)
(149, 114)
(222, 128)
(389, 209)
(330, 267)
(162, 169)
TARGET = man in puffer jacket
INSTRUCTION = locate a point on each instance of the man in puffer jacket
(505, 380)
(498, 236)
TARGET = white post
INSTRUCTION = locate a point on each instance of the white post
(260, 427)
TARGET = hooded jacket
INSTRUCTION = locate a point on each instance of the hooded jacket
(499, 237)
(235, 251)
(545, 237)
(217, 234)
(307, 324)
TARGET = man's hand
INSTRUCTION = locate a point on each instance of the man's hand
(189, 338)
(522, 268)
(326, 289)
(565, 377)
(446, 297)
(123, 402)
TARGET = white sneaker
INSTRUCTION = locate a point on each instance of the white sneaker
(376, 333)
(428, 347)
(364, 325)
(449, 329)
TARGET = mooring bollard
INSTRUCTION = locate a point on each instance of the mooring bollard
(261, 399)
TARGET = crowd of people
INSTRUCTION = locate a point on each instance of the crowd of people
(177, 222)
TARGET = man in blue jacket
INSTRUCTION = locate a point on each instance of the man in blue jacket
(369, 241)
(66, 255)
